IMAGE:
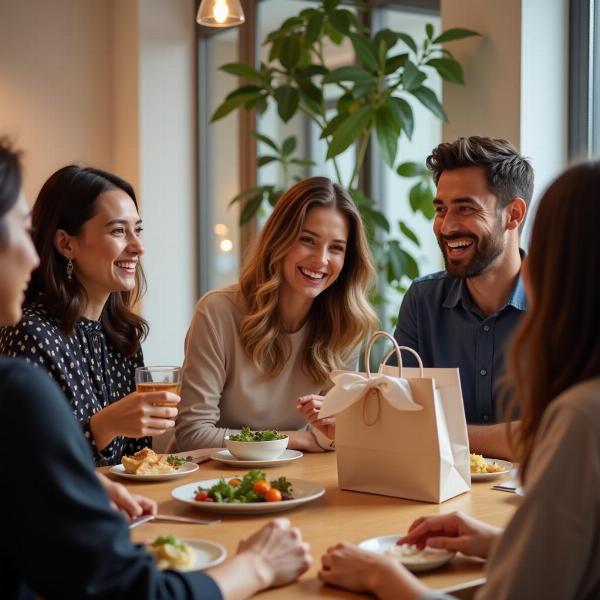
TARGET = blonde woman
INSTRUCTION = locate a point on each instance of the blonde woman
(300, 311)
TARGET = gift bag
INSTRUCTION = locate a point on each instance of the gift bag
(400, 432)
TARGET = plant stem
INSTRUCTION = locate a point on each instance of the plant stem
(362, 150)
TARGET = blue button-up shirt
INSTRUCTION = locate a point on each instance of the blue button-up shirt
(439, 319)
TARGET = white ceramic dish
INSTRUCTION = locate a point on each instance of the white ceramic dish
(490, 476)
(227, 458)
(380, 545)
(303, 492)
(256, 450)
(183, 471)
(206, 554)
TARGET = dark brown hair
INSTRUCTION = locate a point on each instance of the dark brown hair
(509, 174)
(66, 201)
(557, 344)
(10, 182)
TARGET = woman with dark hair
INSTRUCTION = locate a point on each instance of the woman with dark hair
(69, 543)
(78, 323)
(551, 547)
(299, 312)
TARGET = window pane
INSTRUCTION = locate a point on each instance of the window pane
(219, 165)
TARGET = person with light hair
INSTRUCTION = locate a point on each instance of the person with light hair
(258, 350)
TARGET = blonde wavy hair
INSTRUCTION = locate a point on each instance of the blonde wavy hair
(339, 318)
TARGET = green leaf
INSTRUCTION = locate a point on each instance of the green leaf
(428, 99)
(420, 198)
(313, 96)
(303, 162)
(365, 50)
(361, 90)
(393, 63)
(330, 5)
(245, 90)
(454, 34)
(350, 130)
(289, 145)
(388, 36)
(409, 233)
(251, 208)
(349, 73)
(275, 49)
(411, 266)
(411, 169)
(231, 104)
(265, 160)
(311, 70)
(404, 114)
(407, 39)
(265, 140)
(287, 99)
(344, 104)
(387, 129)
(412, 77)
(429, 31)
(313, 28)
(333, 34)
(290, 52)
(245, 71)
(376, 217)
(449, 69)
(396, 261)
(340, 20)
(249, 192)
(331, 127)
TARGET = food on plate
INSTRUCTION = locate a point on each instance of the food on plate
(147, 462)
(171, 553)
(247, 435)
(252, 487)
(412, 554)
(481, 465)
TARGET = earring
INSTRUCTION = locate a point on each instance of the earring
(70, 270)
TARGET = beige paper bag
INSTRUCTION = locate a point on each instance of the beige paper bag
(401, 432)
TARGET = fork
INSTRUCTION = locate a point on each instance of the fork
(145, 518)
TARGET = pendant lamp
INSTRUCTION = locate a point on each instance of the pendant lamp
(220, 13)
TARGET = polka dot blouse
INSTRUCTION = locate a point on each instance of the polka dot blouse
(91, 373)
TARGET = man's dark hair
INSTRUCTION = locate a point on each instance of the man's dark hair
(509, 174)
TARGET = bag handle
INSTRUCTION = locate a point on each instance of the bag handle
(396, 349)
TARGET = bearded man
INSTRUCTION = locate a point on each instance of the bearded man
(463, 316)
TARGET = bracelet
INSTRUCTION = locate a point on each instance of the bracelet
(322, 440)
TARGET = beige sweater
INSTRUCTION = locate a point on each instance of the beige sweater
(222, 390)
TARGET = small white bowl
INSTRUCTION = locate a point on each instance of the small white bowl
(256, 450)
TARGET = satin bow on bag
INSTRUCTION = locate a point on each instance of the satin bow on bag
(351, 387)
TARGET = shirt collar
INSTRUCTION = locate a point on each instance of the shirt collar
(460, 292)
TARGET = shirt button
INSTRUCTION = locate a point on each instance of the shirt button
(486, 418)
(483, 372)
(486, 327)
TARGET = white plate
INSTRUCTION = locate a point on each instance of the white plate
(226, 457)
(184, 470)
(206, 554)
(488, 476)
(379, 545)
(303, 491)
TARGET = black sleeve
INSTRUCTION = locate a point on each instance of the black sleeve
(407, 330)
(61, 538)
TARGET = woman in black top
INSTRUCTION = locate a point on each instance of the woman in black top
(78, 323)
(61, 538)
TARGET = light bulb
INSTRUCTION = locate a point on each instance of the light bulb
(226, 245)
(220, 11)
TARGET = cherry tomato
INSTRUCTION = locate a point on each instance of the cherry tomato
(234, 482)
(209, 499)
(273, 495)
(201, 496)
(261, 486)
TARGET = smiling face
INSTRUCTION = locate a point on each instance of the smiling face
(106, 252)
(316, 259)
(17, 259)
(467, 224)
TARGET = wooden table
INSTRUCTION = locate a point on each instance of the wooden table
(338, 515)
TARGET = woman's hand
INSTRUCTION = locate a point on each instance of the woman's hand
(304, 441)
(348, 567)
(273, 556)
(456, 532)
(135, 415)
(130, 505)
(310, 406)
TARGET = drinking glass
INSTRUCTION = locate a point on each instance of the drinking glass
(158, 379)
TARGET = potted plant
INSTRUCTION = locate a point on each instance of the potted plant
(371, 106)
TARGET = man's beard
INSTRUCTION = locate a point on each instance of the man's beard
(487, 250)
